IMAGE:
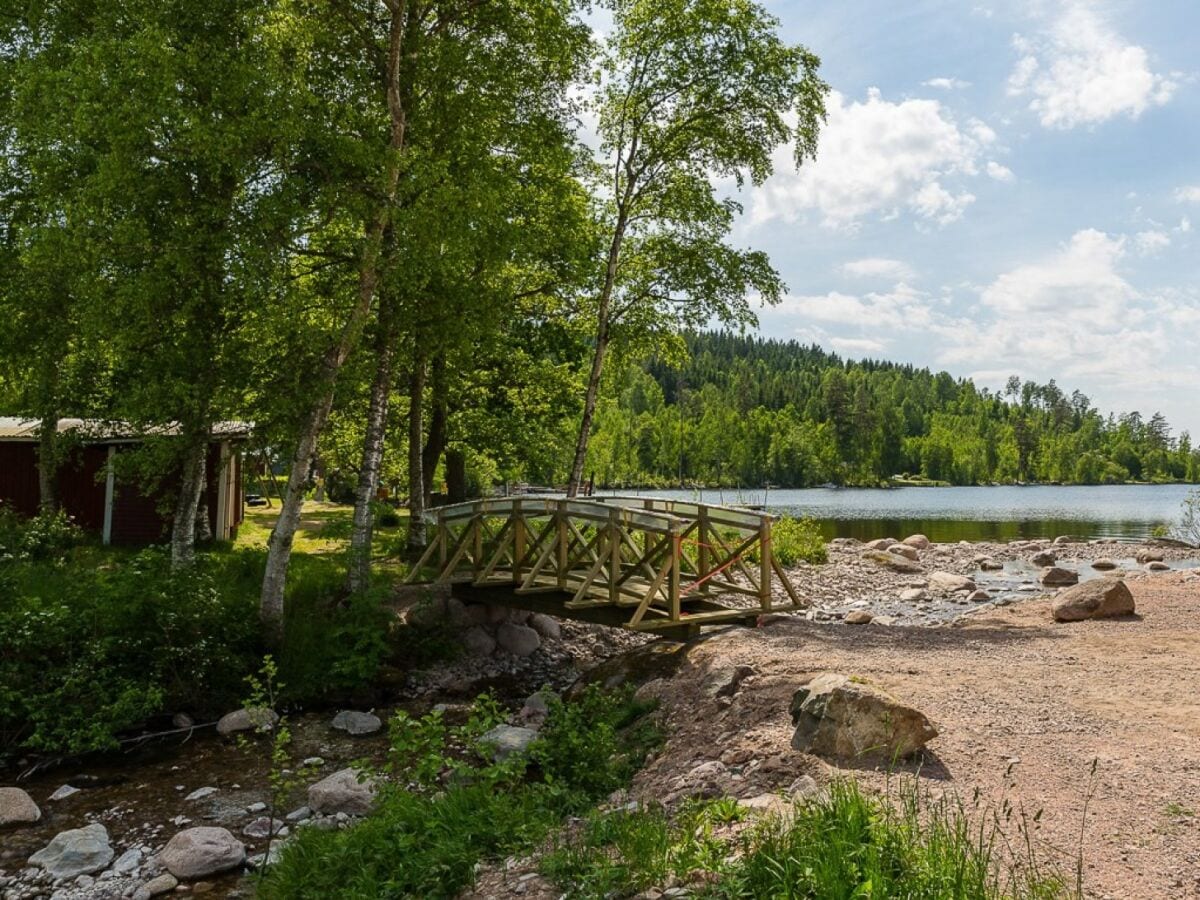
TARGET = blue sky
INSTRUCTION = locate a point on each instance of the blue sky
(1002, 188)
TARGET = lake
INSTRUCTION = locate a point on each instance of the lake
(1125, 512)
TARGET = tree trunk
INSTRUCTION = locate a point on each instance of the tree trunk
(279, 547)
(436, 442)
(204, 533)
(191, 480)
(456, 476)
(358, 572)
(416, 435)
(47, 456)
(602, 328)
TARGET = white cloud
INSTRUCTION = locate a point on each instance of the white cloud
(999, 172)
(1184, 226)
(1151, 243)
(903, 307)
(877, 267)
(857, 346)
(1188, 194)
(947, 84)
(878, 158)
(1080, 71)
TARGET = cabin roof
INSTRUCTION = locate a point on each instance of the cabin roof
(103, 431)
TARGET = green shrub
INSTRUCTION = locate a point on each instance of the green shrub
(798, 540)
(89, 652)
(45, 536)
(456, 808)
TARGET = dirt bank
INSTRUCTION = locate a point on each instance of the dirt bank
(1023, 705)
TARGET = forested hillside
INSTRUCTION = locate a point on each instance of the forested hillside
(743, 410)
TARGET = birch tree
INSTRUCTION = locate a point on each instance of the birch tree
(690, 92)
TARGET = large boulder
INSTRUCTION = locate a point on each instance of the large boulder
(880, 544)
(950, 582)
(80, 851)
(893, 561)
(202, 851)
(356, 723)
(1100, 598)
(838, 717)
(257, 718)
(1148, 554)
(519, 640)
(908, 552)
(17, 807)
(1053, 576)
(342, 792)
(917, 540)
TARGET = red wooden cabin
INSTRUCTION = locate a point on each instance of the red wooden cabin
(91, 493)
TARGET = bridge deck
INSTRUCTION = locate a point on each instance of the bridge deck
(647, 563)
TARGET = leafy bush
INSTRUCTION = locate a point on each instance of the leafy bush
(87, 653)
(95, 644)
(796, 540)
(45, 536)
(386, 515)
(457, 808)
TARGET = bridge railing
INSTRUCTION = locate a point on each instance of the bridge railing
(666, 560)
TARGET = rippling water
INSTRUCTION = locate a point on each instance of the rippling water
(1126, 512)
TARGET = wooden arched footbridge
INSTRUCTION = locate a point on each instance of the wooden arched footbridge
(639, 562)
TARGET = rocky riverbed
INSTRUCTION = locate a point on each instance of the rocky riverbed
(906, 583)
(101, 828)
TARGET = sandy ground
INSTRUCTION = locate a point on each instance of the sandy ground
(1023, 706)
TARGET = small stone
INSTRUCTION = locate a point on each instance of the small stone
(979, 596)
(342, 792)
(257, 719)
(904, 550)
(128, 862)
(1100, 598)
(950, 582)
(917, 540)
(263, 827)
(17, 807)
(1058, 577)
(1147, 554)
(312, 762)
(201, 793)
(182, 720)
(357, 723)
(64, 792)
(546, 626)
(1103, 564)
(1156, 565)
(478, 642)
(1045, 558)
(299, 814)
(155, 886)
(987, 564)
(202, 851)
(256, 807)
(79, 851)
(880, 544)
(519, 640)
(507, 740)
(858, 617)
(914, 595)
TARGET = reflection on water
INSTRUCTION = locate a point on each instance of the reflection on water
(1128, 512)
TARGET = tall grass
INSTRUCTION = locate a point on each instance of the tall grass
(840, 845)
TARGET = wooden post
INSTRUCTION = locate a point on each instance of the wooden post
(676, 559)
(476, 544)
(614, 556)
(704, 563)
(563, 538)
(518, 540)
(441, 539)
(764, 562)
